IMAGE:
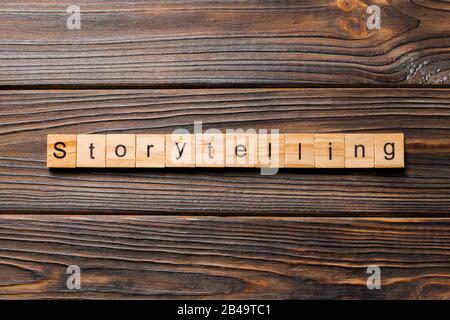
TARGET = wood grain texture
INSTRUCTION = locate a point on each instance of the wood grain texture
(221, 258)
(224, 43)
(423, 188)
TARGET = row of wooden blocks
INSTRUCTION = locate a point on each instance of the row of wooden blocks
(226, 150)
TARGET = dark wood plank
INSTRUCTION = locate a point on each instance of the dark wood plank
(221, 43)
(222, 258)
(423, 188)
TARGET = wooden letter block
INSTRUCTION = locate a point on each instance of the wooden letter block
(299, 150)
(180, 150)
(91, 151)
(241, 150)
(121, 151)
(150, 151)
(270, 151)
(210, 150)
(359, 151)
(61, 151)
(389, 150)
(329, 150)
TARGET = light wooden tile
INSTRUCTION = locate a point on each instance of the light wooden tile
(61, 150)
(180, 150)
(299, 150)
(389, 150)
(120, 151)
(210, 150)
(241, 150)
(270, 151)
(150, 151)
(91, 151)
(359, 151)
(329, 150)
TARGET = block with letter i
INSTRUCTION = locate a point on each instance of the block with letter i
(389, 150)
(121, 151)
(359, 151)
(61, 151)
(180, 150)
(91, 151)
(210, 150)
(240, 150)
(299, 150)
(270, 150)
(329, 150)
(150, 151)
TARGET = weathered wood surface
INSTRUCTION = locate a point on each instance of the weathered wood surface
(223, 43)
(422, 189)
(222, 258)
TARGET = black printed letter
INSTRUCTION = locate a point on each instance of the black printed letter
(148, 150)
(91, 147)
(124, 151)
(389, 155)
(57, 148)
(241, 150)
(362, 148)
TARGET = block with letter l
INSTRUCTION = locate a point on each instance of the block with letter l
(299, 150)
(270, 150)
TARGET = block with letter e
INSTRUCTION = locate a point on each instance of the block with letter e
(241, 150)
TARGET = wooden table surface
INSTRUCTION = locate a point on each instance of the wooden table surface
(154, 66)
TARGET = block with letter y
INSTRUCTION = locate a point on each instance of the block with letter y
(180, 150)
